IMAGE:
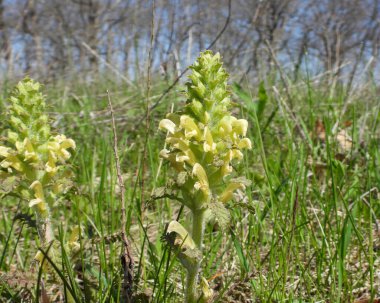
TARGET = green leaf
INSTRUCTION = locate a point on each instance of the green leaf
(241, 93)
(220, 213)
(239, 250)
(7, 184)
(262, 101)
(159, 192)
(241, 180)
(182, 178)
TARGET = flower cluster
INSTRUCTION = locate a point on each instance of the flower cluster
(206, 139)
(31, 158)
(203, 143)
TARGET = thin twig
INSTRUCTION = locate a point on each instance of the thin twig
(126, 257)
(109, 65)
(282, 76)
(147, 110)
(292, 115)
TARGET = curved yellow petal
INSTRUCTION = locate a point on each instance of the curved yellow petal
(191, 129)
(164, 153)
(14, 162)
(4, 151)
(225, 125)
(228, 192)
(166, 124)
(178, 143)
(68, 143)
(200, 174)
(180, 157)
(245, 143)
(208, 145)
(35, 202)
(184, 240)
(240, 126)
(36, 186)
(50, 166)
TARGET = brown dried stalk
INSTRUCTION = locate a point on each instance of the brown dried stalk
(126, 257)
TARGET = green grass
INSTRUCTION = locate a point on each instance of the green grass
(303, 232)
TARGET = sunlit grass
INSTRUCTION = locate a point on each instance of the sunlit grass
(303, 232)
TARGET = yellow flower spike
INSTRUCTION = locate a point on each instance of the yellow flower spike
(191, 129)
(166, 124)
(245, 144)
(200, 174)
(28, 147)
(208, 145)
(240, 126)
(205, 140)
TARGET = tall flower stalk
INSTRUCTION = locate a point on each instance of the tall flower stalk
(32, 159)
(203, 142)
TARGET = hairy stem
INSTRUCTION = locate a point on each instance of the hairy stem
(192, 274)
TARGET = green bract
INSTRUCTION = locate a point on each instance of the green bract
(32, 159)
(204, 140)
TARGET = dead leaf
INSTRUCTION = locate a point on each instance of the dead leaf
(367, 300)
(347, 123)
(344, 140)
(44, 295)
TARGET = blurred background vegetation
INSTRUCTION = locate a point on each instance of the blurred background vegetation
(50, 39)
